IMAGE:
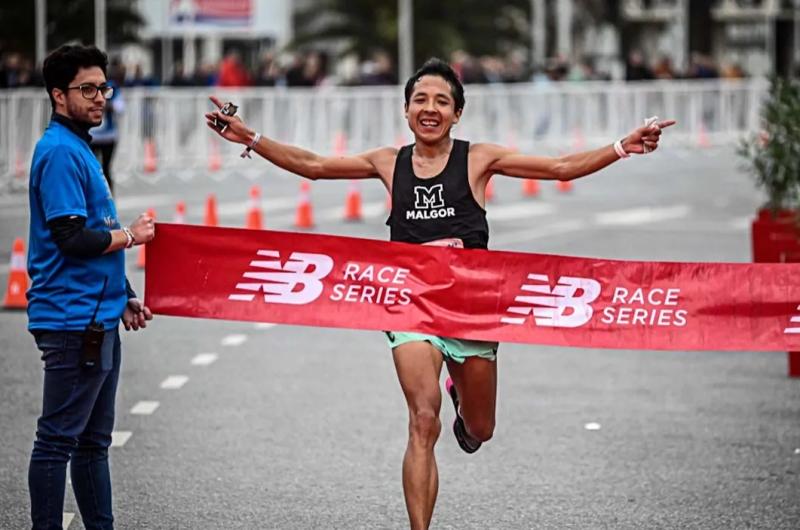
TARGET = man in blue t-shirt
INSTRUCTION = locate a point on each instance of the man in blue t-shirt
(78, 293)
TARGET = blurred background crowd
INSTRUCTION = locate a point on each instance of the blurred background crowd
(312, 68)
(302, 43)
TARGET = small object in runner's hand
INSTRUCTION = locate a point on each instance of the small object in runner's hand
(228, 109)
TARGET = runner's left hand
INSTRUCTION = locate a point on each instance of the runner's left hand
(645, 138)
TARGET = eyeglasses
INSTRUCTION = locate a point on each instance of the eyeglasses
(89, 91)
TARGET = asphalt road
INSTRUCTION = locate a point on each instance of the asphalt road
(287, 427)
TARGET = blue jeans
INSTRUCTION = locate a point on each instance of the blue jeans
(75, 426)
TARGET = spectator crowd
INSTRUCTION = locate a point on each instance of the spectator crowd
(313, 68)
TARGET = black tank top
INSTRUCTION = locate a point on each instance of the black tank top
(434, 208)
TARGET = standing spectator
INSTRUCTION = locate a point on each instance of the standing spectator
(382, 71)
(232, 72)
(663, 68)
(296, 73)
(636, 69)
(105, 135)
(179, 76)
(78, 293)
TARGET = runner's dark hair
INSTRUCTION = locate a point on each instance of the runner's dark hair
(436, 66)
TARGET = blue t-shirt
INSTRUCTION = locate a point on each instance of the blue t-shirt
(66, 179)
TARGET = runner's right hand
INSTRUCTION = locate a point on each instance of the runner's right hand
(236, 131)
(143, 229)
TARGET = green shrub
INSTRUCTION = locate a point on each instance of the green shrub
(773, 155)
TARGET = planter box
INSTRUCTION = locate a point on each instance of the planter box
(776, 239)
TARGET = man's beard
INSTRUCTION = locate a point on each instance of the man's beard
(80, 118)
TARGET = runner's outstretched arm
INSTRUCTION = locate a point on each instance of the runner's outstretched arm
(297, 160)
(505, 161)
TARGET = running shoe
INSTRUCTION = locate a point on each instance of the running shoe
(466, 442)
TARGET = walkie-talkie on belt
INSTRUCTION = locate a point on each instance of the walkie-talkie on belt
(93, 336)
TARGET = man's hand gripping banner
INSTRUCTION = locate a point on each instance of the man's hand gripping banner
(332, 281)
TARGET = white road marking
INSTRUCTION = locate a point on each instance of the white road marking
(143, 202)
(529, 234)
(234, 340)
(66, 520)
(264, 325)
(636, 216)
(518, 210)
(145, 408)
(592, 426)
(204, 359)
(797, 451)
(741, 223)
(120, 438)
(174, 382)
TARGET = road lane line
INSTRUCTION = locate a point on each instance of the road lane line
(145, 408)
(234, 340)
(518, 210)
(174, 382)
(120, 438)
(529, 234)
(264, 325)
(636, 216)
(204, 359)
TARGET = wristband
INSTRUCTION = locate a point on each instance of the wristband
(619, 150)
(131, 240)
(246, 152)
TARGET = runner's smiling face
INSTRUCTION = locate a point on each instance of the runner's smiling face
(431, 109)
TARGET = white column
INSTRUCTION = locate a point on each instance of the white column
(405, 38)
(564, 13)
(100, 24)
(538, 31)
(189, 54)
(41, 31)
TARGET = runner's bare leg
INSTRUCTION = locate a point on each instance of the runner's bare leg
(476, 384)
(418, 366)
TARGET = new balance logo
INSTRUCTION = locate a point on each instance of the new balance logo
(428, 198)
(796, 321)
(567, 305)
(297, 282)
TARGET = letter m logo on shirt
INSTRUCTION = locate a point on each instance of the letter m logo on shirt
(298, 281)
(428, 198)
(566, 305)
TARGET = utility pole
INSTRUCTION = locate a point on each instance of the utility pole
(405, 38)
(41, 31)
(100, 24)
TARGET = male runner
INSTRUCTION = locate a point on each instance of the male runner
(453, 173)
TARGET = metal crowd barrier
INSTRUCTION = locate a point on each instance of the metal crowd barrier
(162, 133)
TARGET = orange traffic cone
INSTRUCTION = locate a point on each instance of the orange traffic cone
(17, 278)
(352, 207)
(578, 140)
(150, 164)
(564, 186)
(140, 260)
(340, 144)
(19, 165)
(214, 160)
(489, 193)
(305, 215)
(702, 136)
(180, 213)
(211, 218)
(530, 188)
(254, 210)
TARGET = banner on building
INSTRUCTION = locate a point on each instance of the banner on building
(223, 13)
